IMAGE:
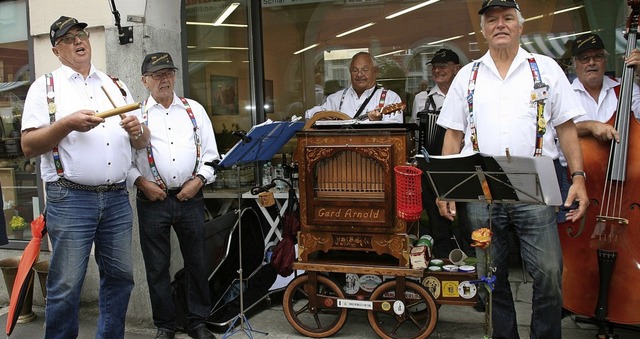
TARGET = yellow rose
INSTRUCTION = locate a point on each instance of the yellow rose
(481, 237)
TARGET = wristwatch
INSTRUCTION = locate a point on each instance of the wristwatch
(201, 177)
(579, 173)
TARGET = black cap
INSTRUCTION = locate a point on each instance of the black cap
(61, 26)
(442, 56)
(157, 61)
(585, 42)
(486, 4)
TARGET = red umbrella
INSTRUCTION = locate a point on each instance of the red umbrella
(24, 277)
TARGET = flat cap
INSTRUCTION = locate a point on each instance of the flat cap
(61, 26)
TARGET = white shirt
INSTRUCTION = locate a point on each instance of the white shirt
(502, 112)
(420, 101)
(352, 103)
(607, 104)
(173, 145)
(98, 157)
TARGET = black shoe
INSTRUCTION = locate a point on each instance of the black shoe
(200, 332)
(164, 334)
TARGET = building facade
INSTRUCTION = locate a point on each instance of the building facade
(248, 61)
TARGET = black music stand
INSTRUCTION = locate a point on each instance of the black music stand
(492, 179)
(261, 143)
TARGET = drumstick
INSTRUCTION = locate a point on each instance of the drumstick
(122, 116)
(119, 110)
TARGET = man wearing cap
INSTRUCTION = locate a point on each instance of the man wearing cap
(506, 102)
(169, 175)
(445, 64)
(597, 95)
(363, 97)
(84, 164)
(597, 92)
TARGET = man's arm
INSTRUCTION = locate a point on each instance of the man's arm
(450, 145)
(568, 138)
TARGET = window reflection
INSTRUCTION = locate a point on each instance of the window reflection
(17, 173)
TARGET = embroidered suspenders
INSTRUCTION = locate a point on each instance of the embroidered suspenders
(51, 104)
(538, 98)
(196, 140)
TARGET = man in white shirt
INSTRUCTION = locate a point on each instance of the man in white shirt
(169, 175)
(84, 164)
(445, 64)
(363, 98)
(506, 102)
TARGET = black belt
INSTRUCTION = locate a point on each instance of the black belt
(173, 191)
(62, 182)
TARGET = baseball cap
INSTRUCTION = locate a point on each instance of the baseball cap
(585, 42)
(157, 61)
(486, 4)
(61, 26)
(443, 56)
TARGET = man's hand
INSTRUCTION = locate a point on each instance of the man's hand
(600, 130)
(374, 115)
(151, 190)
(447, 209)
(578, 193)
(82, 121)
(190, 189)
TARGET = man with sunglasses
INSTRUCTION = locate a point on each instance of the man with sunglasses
(85, 160)
(169, 175)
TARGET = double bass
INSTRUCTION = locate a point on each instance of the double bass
(601, 252)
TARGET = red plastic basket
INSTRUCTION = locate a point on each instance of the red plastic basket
(408, 192)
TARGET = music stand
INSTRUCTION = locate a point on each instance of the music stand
(261, 143)
(492, 179)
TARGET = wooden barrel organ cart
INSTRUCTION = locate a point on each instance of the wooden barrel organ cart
(349, 225)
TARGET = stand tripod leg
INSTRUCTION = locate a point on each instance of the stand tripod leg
(244, 323)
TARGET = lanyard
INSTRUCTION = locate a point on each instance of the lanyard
(196, 140)
(538, 97)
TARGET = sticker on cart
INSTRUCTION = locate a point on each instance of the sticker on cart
(433, 285)
(467, 290)
(398, 307)
(450, 289)
(386, 306)
(352, 283)
(358, 304)
(369, 282)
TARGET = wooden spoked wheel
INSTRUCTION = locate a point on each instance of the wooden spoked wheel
(312, 307)
(326, 115)
(414, 316)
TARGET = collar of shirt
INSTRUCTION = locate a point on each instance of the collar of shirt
(607, 84)
(521, 57)
(70, 73)
(365, 94)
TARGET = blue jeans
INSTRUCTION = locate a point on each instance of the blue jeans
(540, 250)
(187, 218)
(76, 220)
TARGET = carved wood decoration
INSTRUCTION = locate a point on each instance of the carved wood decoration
(347, 191)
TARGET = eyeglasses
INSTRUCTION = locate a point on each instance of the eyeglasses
(69, 38)
(440, 66)
(358, 70)
(584, 59)
(161, 75)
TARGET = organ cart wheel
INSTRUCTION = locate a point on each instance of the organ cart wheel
(326, 115)
(310, 304)
(412, 316)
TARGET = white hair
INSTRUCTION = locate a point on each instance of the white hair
(518, 16)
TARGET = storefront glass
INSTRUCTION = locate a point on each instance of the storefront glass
(308, 45)
(17, 173)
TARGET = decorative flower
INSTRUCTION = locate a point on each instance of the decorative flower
(481, 238)
(17, 223)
